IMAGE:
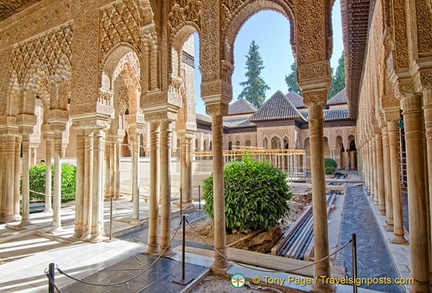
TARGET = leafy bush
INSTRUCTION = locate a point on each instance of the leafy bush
(37, 181)
(256, 195)
(330, 165)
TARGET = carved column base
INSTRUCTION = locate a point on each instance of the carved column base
(399, 239)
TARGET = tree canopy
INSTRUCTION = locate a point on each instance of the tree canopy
(291, 80)
(338, 79)
(254, 87)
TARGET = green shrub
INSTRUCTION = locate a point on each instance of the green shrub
(330, 165)
(37, 181)
(256, 195)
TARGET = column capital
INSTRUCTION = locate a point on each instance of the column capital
(91, 123)
(218, 108)
(427, 98)
(411, 103)
(58, 116)
(25, 123)
(392, 114)
(216, 91)
(315, 97)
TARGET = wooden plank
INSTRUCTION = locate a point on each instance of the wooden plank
(266, 261)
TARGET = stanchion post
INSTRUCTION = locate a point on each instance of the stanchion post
(183, 280)
(111, 217)
(354, 261)
(51, 272)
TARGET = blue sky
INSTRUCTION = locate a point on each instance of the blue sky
(267, 28)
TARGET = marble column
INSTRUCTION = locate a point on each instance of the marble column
(379, 172)
(17, 172)
(189, 167)
(352, 159)
(25, 220)
(418, 214)
(165, 186)
(374, 178)
(33, 155)
(387, 178)
(118, 150)
(56, 224)
(135, 141)
(220, 263)
(80, 181)
(427, 106)
(8, 177)
(154, 183)
(48, 184)
(393, 132)
(321, 244)
(88, 184)
(370, 168)
(97, 194)
(183, 170)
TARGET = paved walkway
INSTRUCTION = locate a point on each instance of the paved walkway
(374, 259)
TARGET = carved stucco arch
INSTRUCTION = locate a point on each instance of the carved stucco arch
(123, 61)
(177, 39)
(114, 56)
(237, 18)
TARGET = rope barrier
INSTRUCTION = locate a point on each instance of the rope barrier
(128, 280)
(51, 281)
(44, 194)
(269, 270)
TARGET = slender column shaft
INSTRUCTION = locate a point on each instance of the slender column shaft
(9, 176)
(183, 170)
(374, 170)
(189, 167)
(97, 200)
(2, 181)
(427, 102)
(48, 183)
(56, 224)
(154, 201)
(117, 169)
(25, 220)
(17, 171)
(321, 248)
(79, 198)
(418, 218)
(387, 179)
(108, 169)
(220, 261)
(369, 169)
(380, 173)
(135, 176)
(165, 186)
(88, 184)
(398, 228)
